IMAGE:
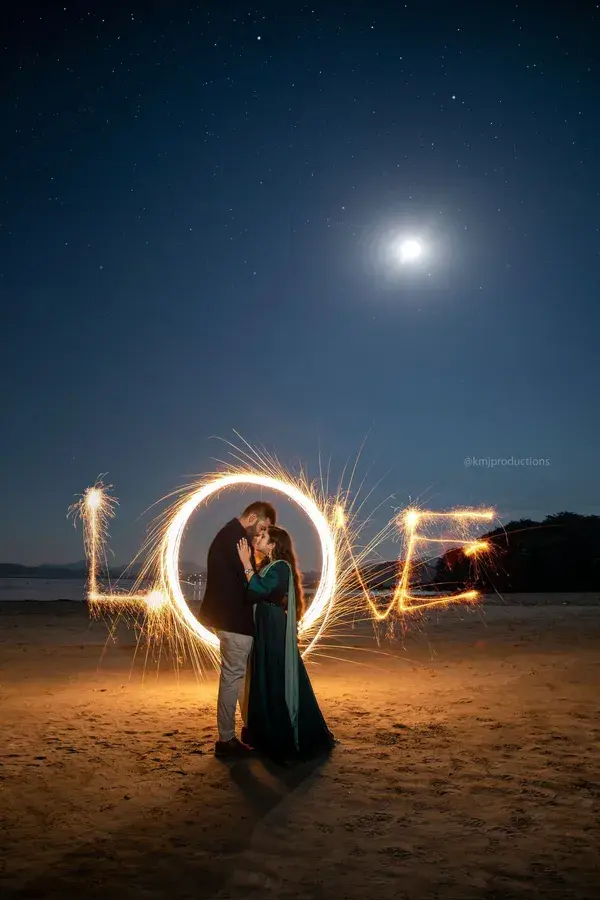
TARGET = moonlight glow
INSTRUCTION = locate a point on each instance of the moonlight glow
(409, 250)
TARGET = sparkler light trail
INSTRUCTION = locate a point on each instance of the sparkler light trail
(95, 508)
(158, 595)
(164, 605)
(403, 601)
(316, 615)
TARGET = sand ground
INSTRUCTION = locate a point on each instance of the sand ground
(468, 767)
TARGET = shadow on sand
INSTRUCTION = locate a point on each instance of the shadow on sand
(184, 849)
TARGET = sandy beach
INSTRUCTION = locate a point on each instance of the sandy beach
(468, 767)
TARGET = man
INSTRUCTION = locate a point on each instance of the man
(226, 608)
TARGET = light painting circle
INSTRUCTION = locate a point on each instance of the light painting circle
(321, 605)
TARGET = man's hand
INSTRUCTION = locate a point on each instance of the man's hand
(244, 553)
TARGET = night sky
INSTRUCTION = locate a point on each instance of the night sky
(197, 213)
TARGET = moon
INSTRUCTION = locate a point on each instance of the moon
(409, 250)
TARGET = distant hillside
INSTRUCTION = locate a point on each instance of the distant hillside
(14, 570)
(79, 570)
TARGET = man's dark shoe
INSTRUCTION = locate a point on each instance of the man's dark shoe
(232, 749)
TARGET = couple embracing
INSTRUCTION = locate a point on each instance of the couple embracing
(255, 608)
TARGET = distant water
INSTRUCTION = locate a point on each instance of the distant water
(46, 589)
(75, 589)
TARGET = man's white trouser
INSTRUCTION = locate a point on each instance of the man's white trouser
(235, 650)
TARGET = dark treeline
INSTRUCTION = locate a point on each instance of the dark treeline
(560, 553)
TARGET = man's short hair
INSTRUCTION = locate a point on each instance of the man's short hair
(261, 510)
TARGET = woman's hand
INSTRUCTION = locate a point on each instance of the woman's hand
(244, 553)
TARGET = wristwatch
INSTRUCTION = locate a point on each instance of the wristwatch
(249, 571)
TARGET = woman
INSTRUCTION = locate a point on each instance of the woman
(284, 719)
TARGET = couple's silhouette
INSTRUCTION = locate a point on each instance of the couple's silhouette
(254, 601)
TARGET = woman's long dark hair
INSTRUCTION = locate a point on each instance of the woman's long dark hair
(284, 549)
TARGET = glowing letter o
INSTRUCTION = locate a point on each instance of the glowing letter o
(171, 545)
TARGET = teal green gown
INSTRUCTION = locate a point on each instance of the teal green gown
(283, 717)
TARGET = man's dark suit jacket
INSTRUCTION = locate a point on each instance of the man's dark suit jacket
(226, 606)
